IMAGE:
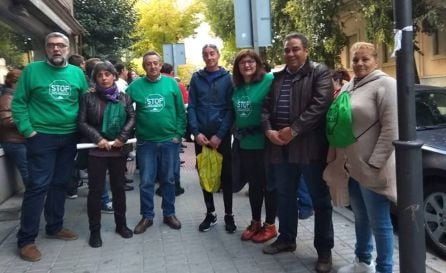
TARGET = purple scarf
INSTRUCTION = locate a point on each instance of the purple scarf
(111, 93)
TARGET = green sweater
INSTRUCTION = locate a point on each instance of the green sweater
(248, 100)
(46, 99)
(160, 112)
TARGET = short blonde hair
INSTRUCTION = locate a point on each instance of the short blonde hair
(363, 45)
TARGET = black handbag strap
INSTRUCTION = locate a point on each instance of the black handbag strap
(367, 129)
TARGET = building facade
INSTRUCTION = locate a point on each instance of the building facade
(33, 19)
(430, 60)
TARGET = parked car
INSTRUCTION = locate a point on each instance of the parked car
(430, 104)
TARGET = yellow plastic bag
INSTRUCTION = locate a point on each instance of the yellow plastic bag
(209, 163)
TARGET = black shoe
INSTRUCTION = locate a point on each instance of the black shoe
(279, 246)
(181, 151)
(324, 263)
(179, 191)
(124, 231)
(182, 162)
(95, 239)
(128, 181)
(158, 191)
(210, 220)
(229, 223)
(128, 187)
(183, 145)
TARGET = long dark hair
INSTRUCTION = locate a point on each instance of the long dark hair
(237, 77)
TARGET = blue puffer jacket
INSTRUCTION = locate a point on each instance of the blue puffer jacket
(209, 110)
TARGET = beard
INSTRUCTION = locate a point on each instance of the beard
(57, 60)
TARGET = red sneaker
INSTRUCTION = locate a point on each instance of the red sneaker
(251, 230)
(267, 232)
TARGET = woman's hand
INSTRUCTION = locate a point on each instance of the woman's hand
(215, 142)
(103, 144)
(118, 143)
(202, 139)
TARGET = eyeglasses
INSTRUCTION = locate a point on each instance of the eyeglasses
(247, 62)
(58, 45)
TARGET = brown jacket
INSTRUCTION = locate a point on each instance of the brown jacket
(8, 129)
(371, 159)
(311, 95)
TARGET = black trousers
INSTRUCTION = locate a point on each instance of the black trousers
(97, 170)
(253, 165)
(226, 177)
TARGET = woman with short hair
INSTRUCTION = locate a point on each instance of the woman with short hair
(363, 173)
(106, 115)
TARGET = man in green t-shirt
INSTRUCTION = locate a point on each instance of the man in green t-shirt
(45, 108)
(160, 124)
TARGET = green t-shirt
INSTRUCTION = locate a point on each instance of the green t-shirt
(248, 100)
(160, 112)
(46, 99)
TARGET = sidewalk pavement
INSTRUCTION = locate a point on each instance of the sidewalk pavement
(163, 250)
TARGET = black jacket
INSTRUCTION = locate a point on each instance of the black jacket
(91, 112)
(310, 98)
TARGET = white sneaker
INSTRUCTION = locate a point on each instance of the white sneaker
(358, 267)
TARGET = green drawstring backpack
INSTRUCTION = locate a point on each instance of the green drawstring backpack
(339, 128)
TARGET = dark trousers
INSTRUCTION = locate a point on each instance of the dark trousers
(97, 170)
(286, 176)
(226, 177)
(17, 153)
(253, 165)
(50, 163)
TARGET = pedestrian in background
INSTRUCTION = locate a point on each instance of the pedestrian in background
(363, 174)
(45, 109)
(251, 84)
(210, 118)
(121, 82)
(339, 76)
(167, 70)
(293, 118)
(12, 142)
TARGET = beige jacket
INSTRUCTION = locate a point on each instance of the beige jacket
(371, 159)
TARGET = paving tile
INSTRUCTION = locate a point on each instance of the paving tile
(163, 250)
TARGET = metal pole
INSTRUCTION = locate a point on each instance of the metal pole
(254, 28)
(412, 246)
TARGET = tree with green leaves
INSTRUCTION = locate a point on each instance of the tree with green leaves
(163, 22)
(281, 24)
(428, 17)
(12, 47)
(110, 26)
(219, 14)
(318, 20)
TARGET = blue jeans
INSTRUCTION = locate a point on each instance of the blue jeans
(156, 157)
(372, 216)
(17, 153)
(50, 164)
(303, 195)
(177, 169)
(287, 176)
(105, 198)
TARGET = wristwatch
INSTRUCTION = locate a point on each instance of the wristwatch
(293, 133)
